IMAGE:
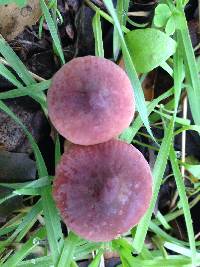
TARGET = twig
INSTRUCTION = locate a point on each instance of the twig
(138, 14)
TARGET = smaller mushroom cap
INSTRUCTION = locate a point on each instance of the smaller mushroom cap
(90, 100)
(102, 190)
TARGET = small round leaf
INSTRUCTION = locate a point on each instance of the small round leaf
(170, 26)
(162, 13)
(149, 48)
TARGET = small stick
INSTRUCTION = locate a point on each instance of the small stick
(138, 14)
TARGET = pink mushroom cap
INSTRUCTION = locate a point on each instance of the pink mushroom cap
(90, 100)
(102, 190)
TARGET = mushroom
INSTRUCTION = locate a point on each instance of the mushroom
(102, 190)
(90, 100)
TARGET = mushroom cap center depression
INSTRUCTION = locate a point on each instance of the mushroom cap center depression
(90, 100)
(102, 190)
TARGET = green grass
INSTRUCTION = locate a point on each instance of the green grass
(61, 251)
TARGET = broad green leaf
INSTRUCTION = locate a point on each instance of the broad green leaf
(170, 26)
(149, 48)
(162, 14)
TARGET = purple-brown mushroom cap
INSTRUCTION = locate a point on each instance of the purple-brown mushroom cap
(102, 190)
(90, 100)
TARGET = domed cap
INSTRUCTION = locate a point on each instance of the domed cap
(90, 100)
(102, 190)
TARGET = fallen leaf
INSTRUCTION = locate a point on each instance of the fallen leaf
(14, 19)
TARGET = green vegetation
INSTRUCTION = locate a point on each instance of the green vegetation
(174, 41)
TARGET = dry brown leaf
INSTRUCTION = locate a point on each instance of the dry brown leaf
(13, 19)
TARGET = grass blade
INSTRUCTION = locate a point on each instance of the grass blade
(192, 75)
(122, 10)
(53, 30)
(57, 150)
(68, 250)
(45, 261)
(130, 132)
(52, 220)
(26, 248)
(158, 172)
(96, 24)
(30, 90)
(97, 259)
(15, 62)
(6, 73)
(178, 249)
(139, 96)
(33, 90)
(35, 210)
(163, 154)
(184, 202)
